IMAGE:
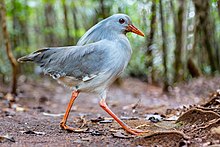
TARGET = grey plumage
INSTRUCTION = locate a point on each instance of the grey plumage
(105, 29)
(98, 59)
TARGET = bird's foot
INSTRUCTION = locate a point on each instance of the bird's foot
(136, 131)
(65, 127)
(70, 129)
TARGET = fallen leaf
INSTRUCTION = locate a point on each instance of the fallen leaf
(21, 109)
(129, 118)
(96, 133)
(95, 120)
(81, 130)
(9, 97)
(113, 130)
(106, 121)
(154, 118)
(7, 138)
(172, 118)
(33, 132)
(53, 115)
(86, 139)
(121, 135)
(18, 108)
(215, 130)
(102, 120)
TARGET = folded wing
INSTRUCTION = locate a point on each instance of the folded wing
(80, 62)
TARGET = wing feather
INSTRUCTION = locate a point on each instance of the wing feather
(81, 62)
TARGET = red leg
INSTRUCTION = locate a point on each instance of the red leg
(63, 122)
(102, 103)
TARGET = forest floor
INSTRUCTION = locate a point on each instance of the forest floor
(189, 115)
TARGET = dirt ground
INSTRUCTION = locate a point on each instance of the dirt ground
(189, 115)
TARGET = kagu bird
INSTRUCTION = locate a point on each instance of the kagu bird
(99, 58)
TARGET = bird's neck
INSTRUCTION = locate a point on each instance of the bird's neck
(98, 33)
(124, 44)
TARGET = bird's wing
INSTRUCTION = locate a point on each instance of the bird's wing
(80, 62)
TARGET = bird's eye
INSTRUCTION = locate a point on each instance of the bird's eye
(121, 21)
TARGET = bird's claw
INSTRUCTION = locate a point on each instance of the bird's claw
(65, 127)
(136, 131)
(70, 129)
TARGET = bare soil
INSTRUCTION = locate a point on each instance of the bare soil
(189, 115)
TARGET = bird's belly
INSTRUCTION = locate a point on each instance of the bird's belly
(103, 80)
(67, 81)
(95, 85)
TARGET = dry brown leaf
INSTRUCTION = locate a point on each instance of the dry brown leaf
(7, 138)
(215, 130)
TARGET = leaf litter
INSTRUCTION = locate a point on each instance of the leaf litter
(188, 125)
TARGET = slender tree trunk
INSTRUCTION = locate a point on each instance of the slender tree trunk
(75, 24)
(20, 26)
(150, 39)
(2, 75)
(164, 46)
(178, 23)
(24, 25)
(15, 24)
(218, 4)
(203, 20)
(193, 69)
(103, 9)
(11, 58)
(66, 23)
(50, 16)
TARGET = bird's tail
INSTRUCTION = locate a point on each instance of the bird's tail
(31, 57)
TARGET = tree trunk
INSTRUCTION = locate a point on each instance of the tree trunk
(205, 28)
(150, 39)
(50, 37)
(218, 4)
(103, 9)
(193, 69)
(178, 23)
(11, 58)
(164, 36)
(20, 26)
(16, 26)
(75, 24)
(66, 23)
(24, 25)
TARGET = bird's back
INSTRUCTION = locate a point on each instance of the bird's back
(82, 66)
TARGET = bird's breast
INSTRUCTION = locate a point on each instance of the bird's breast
(119, 56)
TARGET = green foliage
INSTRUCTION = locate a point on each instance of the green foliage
(28, 28)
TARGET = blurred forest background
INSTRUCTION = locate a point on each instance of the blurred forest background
(182, 36)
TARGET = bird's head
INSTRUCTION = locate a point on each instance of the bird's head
(122, 23)
(109, 28)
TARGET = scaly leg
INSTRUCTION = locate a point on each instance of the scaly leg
(63, 122)
(103, 104)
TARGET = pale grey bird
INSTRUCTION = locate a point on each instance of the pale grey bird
(100, 56)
